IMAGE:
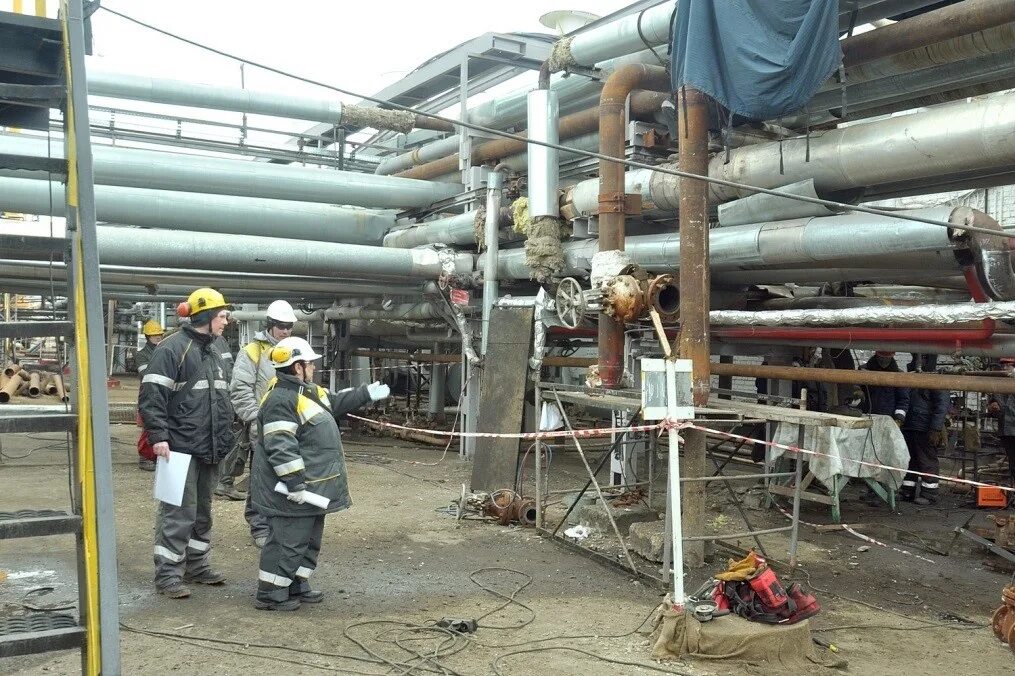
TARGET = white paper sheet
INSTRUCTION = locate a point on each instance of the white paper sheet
(171, 478)
(315, 499)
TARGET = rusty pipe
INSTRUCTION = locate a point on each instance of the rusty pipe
(34, 386)
(11, 388)
(926, 381)
(949, 22)
(48, 386)
(576, 124)
(61, 390)
(612, 201)
(695, 277)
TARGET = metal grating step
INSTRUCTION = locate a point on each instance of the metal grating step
(28, 523)
(43, 329)
(37, 422)
(41, 633)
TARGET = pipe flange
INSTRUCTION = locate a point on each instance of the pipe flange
(663, 296)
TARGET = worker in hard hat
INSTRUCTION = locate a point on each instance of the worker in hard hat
(153, 333)
(252, 372)
(298, 473)
(185, 407)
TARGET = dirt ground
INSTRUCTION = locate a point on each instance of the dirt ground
(397, 558)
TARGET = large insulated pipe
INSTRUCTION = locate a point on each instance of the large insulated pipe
(199, 212)
(575, 124)
(612, 200)
(855, 241)
(891, 315)
(491, 286)
(245, 253)
(647, 28)
(197, 95)
(948, 22)
(156, 278)
(193, 173)
(543, 162)
(399, 312)
(458, 229)
(953, 139)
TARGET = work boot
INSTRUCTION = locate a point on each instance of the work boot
(243, 483)
(288, 605)
(907, 493)
(228, 491)
(207, 577)
(309, 596)
(928, 496)
(146, 464)
(175, 590)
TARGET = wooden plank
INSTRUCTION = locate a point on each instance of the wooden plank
(788, 492)
(502, 398)
(796, 416)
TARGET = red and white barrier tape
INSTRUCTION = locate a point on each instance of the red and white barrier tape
(582, 434)
(849, 529)
(876, 465)
(666, 425)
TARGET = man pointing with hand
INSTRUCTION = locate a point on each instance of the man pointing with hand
(298, 473)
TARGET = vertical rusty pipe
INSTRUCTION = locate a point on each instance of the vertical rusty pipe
(692, 131)
(612, 142)
(692, 134)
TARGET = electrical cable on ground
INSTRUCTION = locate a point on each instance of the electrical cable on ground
(489, 131)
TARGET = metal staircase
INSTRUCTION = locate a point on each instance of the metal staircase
(42, 66)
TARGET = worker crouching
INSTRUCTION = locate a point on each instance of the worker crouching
(299, 474)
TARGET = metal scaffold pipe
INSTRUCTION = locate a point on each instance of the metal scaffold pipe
(199, 212)
(214, 97)
(193, 173)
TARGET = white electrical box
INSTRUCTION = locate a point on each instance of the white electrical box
(666, 389)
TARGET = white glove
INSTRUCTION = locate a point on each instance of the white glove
(299, 497)
(378, 391)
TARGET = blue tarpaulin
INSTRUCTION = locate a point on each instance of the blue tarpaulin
(760, 59)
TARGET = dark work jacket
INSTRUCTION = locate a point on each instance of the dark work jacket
(883, 400)
(300, 446)
(199, 421)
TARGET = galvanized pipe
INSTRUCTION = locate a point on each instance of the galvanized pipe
(194, 173)
(199, 212)
(543, 162)
(612, 200)
(494, 192)
(215, 97)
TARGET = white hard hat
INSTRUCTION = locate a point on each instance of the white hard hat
(281, 311)
(292, 349)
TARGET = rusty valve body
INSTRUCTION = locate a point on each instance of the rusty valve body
(629, 297)
(1003, 620)
(509, 507)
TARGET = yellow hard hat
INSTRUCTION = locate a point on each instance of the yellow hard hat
(200, 300)
(152, 328)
